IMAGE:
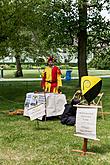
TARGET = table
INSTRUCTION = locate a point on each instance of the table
(38, 105)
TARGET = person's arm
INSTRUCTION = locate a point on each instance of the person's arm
(43, 75)
(59, 81)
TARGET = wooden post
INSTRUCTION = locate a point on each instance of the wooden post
(84, 149)
(85, 146)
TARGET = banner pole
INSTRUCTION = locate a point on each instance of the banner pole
(45, 103)
(84, 146)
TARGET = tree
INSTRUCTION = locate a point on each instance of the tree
(16, 34)
(10, 26)
(37, 26)
(99, 36)
(75, 24)
(82, 39)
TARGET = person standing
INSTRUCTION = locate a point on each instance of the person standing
(51, 77)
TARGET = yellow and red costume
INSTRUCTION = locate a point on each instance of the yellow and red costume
(51, 79)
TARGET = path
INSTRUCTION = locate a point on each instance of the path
(35, 79)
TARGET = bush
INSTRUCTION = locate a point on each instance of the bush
(101, 60)
(64, 67)
(99, 63)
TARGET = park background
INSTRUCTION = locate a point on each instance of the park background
(68, 30)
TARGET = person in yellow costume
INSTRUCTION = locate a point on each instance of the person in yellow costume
(51, 77)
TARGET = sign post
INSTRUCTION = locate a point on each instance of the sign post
(86, 125)
(87, 114)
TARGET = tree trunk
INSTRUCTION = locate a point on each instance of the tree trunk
(19, 72)
(82, 41)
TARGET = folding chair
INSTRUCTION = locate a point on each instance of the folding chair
(78, 95)
(98, 101)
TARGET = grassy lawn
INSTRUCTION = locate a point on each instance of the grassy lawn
(35, 73)
(23, 143)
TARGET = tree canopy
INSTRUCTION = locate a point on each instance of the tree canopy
(33, 27)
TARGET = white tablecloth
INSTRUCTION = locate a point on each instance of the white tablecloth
(39, 104)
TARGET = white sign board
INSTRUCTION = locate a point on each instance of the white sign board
(37, 112)
(86, 122)
(55, 104)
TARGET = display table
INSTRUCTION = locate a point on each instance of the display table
(38, 105)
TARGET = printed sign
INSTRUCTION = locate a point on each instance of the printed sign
(86, 122)
(39, 104)
(37, 112)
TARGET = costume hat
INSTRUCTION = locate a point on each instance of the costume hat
(50, 59)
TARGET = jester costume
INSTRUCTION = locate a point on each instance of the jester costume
(51, 78)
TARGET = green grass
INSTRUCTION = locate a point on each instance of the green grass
(22, 142)
(35, 73)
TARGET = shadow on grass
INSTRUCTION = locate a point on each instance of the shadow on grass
(104, 148)
(39, 127)
(42, 129)
(2, 113)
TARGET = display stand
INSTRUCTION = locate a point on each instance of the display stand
(45, 106)
(84, 151)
